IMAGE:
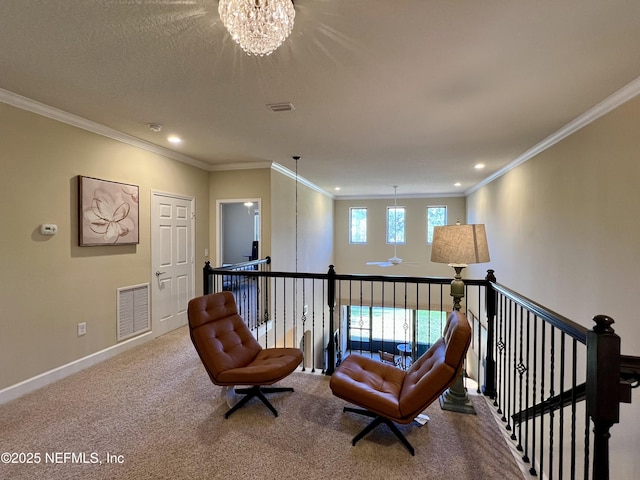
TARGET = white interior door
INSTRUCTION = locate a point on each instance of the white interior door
(173, 270)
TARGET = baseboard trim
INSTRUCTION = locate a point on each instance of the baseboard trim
(26, 386)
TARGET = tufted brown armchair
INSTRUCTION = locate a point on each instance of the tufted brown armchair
(230, 353)
(389, 394)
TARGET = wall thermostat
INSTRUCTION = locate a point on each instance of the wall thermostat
(48, 229)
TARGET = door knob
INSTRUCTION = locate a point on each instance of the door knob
(160, 273)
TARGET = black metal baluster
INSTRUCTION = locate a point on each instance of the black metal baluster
(521, 368)
(313, 325)
(542, 377)
(479, 341)
(525, 456)
(561, 413)
(276, 294)
(552, 392)
(500, 354)
(512, 381)
(326, 341)
(304, 324)
(285, 302)
(393, 319)
(532, 470)
(505, 358)
(574, 401)
(507, 378)
(267, 290)
(382, 311)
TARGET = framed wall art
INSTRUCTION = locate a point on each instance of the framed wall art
(108, 213)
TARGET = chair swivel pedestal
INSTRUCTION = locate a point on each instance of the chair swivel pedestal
(256, 391)
(378, 420)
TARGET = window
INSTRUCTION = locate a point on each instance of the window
(395, 225)
(436, 217)
(382, 328)
(358, 222)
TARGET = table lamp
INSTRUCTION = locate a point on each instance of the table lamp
(458, 245)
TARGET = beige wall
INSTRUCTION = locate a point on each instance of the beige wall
(563, 230)
(352, 258)
(313, 253)
(314, 227)
(50, 284)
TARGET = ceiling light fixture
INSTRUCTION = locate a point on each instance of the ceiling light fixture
(479, 166)
(174, 139)
(258, 26)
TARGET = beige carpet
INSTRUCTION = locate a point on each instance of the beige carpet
(155, 411)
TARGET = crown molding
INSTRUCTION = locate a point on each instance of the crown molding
(238, 166)
(33, 106)
(405, 196)
(288, 173)
(613, 101)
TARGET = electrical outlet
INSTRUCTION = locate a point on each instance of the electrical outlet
(82, 329)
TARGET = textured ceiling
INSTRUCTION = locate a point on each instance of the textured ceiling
(403, 92)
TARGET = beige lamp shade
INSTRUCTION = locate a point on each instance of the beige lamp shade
(460, 244)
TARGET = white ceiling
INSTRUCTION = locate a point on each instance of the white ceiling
(386, 92)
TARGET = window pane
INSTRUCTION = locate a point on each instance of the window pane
(359, 324)
(395, 225)
(358, 230)
(436, 217)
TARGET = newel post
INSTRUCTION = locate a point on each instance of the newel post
(603, 389)
(331, 302)
(489, 387)
(207, 288)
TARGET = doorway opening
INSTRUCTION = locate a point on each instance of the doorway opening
(238, 231)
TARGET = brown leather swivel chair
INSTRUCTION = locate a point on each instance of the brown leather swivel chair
(389, 394)
(230, 353)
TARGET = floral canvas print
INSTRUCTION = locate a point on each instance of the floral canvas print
(108, 212)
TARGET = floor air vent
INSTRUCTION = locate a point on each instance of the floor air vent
(133, 311)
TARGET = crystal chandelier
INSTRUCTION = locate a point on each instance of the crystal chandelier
(258, 26)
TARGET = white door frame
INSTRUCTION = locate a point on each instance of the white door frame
(192, 226)
(219, 203)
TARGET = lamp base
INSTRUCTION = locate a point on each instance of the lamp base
(455, 399)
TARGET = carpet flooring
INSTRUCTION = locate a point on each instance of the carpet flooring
(153, 413)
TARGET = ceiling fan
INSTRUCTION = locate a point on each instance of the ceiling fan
(395, 260)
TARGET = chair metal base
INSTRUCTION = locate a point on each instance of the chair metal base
(377, 420)
(256, 391)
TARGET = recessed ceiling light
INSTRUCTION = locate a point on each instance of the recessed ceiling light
(337, 188)
(457, 184)
(174, 139)
(479, 166)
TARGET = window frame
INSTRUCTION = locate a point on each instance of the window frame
(404, 225)
(446, 216)
(351, 229)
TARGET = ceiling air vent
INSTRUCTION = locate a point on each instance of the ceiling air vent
(281, 107)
